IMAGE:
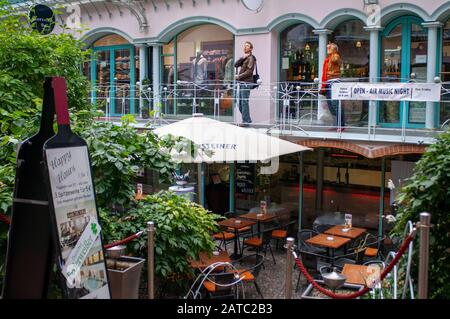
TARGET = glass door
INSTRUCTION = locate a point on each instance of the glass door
(102, 80)
(122, 83)
(418, 66)
(403, 52)
(112, 77)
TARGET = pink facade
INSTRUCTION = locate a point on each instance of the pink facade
(155, 23)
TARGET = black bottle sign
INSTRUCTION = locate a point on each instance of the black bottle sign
(29, 256)
(42, 19)
(73, 208)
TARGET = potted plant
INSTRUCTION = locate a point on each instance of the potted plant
(182, 230)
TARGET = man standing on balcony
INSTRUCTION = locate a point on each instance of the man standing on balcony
(331, 72)
(245, 79)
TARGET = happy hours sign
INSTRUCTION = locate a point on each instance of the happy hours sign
(70, 175)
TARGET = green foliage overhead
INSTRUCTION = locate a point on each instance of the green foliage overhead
(428, 190)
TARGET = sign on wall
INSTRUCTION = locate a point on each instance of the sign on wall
(420, 92)
(42, 19)
(245, 179)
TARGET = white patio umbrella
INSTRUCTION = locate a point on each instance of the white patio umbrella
(228, 143)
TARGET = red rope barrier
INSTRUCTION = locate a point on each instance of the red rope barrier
(331, 294)
(5, 219)
(124, 241)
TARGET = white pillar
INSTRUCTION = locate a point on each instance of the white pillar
(156, 78)
(431, 68)
(373, 69)
(143, 66)
(323, 38)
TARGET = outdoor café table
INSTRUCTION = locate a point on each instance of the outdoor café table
(322, 241)
(204, 260)
(352, 233)
(259, 218)
(357, 274)
(236, 224)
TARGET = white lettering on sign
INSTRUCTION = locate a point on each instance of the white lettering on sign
(420, 92)
(69, 175)
(219, 146)
(80, 251)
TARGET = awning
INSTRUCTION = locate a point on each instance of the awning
(366, 149)
(229, 143)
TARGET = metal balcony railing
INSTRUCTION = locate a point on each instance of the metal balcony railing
(294, 107)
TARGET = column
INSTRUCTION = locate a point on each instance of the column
(232, 184)
(373, 69)
(143, 66)
(319, 178)
(431, 68)
(381, 211)
(323, 38)
(156, 78)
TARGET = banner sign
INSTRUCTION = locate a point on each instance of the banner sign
(420, 92)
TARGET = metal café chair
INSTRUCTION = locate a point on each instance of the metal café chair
(248, 268)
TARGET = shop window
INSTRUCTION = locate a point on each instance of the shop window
(354, 47)
(298, 54)
(198, 63)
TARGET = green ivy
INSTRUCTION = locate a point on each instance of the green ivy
(428, 190)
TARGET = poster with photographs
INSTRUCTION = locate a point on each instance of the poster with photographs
(83, 263)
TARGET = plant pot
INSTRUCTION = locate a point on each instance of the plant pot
(124, 276)
(311, 293)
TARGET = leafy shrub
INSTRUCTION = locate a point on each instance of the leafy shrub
(428, 190)
(117, 154)
(182, 230)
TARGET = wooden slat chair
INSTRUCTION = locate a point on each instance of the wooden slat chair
(243, 232)
(369, 246)
(225, 237)
(281, 230)
(248, 268)
(260, 242)
(221, 285)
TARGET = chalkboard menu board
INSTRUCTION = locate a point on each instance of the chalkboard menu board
(245, 179)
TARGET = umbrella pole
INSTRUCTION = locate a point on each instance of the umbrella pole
(201, 184)
(231, 179)
(300, 193)
(380, 217)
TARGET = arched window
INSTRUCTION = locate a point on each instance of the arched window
(298, 53)
(354, 48)
(197, 63)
